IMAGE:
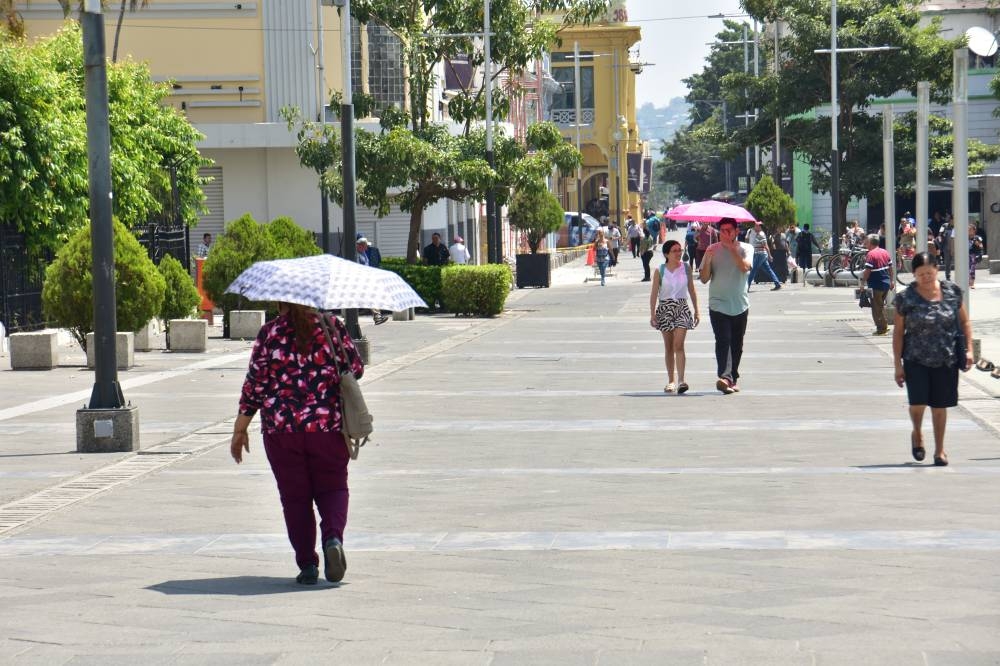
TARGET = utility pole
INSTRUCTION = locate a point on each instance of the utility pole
(106, 424)
(494, 238)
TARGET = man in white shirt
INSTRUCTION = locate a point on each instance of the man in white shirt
(459, 253)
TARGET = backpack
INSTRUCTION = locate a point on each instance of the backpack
(804, 242)
(653, 224)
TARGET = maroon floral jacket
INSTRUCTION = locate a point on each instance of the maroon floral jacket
(295, 391)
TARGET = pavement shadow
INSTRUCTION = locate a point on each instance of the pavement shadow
(661, 394)
(237, 586)
(906, 465)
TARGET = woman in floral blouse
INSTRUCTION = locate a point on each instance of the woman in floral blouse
(929, 316)
(293, 381)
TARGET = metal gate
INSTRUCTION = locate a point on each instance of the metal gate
(22, 274)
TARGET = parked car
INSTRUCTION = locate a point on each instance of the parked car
(590, 225)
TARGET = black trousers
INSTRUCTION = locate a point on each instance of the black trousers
(647, 257)
(805, 260)
(729, 331)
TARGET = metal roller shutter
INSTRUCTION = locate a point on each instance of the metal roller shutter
(214, 221)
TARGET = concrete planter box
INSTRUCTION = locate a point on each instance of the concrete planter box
(146, 337)
(188, 335)
(37, 350)
(403, 315)
(245, 324)
(124, 350)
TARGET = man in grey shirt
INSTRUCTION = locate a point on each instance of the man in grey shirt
(725, 267)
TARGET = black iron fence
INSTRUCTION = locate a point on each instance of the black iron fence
(22, 274)
(160, 239)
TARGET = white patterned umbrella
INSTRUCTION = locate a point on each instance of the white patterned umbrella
(325, 282)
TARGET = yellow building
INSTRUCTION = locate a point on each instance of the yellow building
(233, 67)
(606, 130)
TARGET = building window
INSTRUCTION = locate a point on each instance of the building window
(385, 65)
(564, 98)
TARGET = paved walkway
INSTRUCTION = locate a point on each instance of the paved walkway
(532, 498)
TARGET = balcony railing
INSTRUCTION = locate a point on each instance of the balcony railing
(567, 117)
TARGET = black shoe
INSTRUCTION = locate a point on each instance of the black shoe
(940, 461)
(645, 280)
(334, 560)
(777, 286)
(308, 576)
(380, 318)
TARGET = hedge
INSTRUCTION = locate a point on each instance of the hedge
(476, 290)
(425, 280)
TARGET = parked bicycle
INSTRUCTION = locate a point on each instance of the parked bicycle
(848, 257)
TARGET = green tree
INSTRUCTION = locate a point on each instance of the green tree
(414, 162)
(415, 169)
(244, 242)
(694, 160)
(802, 83)
(941, 151)
(536, 212)
(181, 297)
(68, 292)
(291, 240)
(44, 187)
(770, 204)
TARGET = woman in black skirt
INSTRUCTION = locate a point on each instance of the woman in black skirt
(930, 317)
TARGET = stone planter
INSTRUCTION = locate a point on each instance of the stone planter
(188, 335)
(145, 337)
(245, 324)
(533, 270)
(37, 350)
(124, 350)
(403, 315)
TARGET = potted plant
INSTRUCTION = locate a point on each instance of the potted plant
(537, 213)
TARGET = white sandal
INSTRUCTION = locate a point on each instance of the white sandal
(669, 388)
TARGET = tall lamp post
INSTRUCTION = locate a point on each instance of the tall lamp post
(106, 424)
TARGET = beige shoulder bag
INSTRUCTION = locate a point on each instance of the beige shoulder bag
(356, 420)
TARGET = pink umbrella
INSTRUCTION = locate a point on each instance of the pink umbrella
(709, 211)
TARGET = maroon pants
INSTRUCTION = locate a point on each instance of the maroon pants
(310, 467)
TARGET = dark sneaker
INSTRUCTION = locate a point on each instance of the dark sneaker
(776, 287)
(308, 576)
(380, 318)
(334, 560)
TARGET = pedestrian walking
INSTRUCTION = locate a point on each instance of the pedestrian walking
(670, 314)
(646, 247)
(804, 244)
(725, 267)
(458, 251)
(947, 236)
(878, 277)
(634, 234)
(436, 253)
(616, 243)
(930, 344)
(706, 236)
(602, 254)
(691, 245)
(757, 238)
(975, 252)
(293, 381)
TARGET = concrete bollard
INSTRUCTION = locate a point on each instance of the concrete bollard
(36, 350)
(364, 350)
(124, 350)
(188, 335)
(245, 324)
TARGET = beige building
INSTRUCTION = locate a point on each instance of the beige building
(233, 67)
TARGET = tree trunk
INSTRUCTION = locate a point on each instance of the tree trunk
(413, 242)
(118, 32)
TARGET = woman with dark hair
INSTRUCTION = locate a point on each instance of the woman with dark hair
(669, 312)
(929, 350)
(294, 381)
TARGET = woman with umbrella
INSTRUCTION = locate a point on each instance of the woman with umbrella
(294, 382)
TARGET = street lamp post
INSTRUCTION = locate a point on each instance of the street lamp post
(835, 222)
(494, 240)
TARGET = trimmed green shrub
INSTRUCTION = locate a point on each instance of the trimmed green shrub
(537, 213)
(291, 240)
(181, 299)
(771, 205)
(68, 292)
(425, 280)
(243, 243)
(476, 290)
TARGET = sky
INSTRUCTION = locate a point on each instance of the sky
(675, 34)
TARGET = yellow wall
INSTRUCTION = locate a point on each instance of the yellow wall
(200, 47)
(610, 44)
